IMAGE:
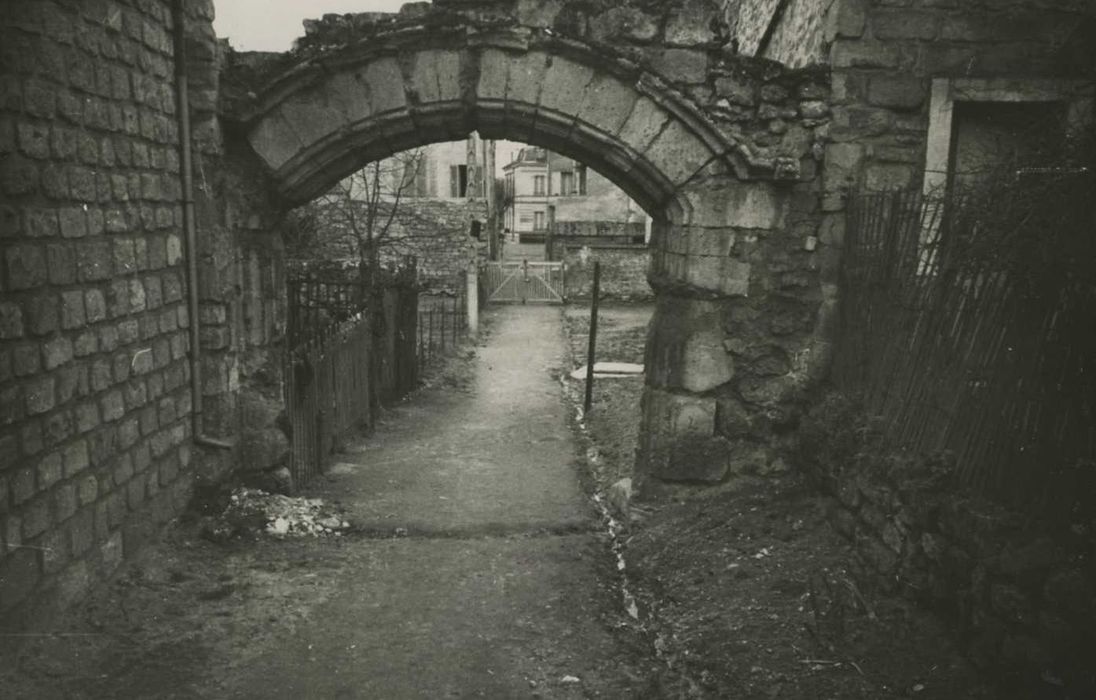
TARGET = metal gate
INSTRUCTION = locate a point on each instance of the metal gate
(523, 282)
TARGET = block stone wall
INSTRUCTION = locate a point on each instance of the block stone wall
(436, 232)
(94, 395)
(1021, 597)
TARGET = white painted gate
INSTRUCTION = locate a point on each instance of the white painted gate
(521, 282)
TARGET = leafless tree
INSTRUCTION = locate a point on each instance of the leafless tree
(362, 208)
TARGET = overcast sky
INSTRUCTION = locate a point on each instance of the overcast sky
(272, 25)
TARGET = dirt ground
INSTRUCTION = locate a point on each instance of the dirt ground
(464, 558)
(746, 589)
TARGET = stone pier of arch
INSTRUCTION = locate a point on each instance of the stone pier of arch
(723, 151)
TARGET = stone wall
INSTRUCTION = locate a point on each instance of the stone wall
(97, 446)
(884, 58)
(617, 245)
(1023, 597)
(623, 271)
(94, 426)
(436, 232)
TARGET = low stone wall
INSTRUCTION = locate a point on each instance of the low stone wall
(1024, 596)
(436, 232)
(623, 271)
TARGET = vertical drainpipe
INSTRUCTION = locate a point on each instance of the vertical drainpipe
(190, 231)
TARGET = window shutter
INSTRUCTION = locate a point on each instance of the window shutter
(454, 181)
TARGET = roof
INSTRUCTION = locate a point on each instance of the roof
(530, 155)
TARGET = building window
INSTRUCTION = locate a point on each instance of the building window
(581, 172)
(567, 183)
(538, 221)
(458, 180)
(538, 185)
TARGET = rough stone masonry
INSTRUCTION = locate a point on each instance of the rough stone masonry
(97, 442)
(721, 149)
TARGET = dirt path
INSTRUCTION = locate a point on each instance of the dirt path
(475, 567)
(495, 590)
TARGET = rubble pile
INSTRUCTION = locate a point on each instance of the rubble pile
(254, 511)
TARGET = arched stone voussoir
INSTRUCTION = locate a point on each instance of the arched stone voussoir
(607, 104)
(331, 110)
(434, 75)
(678, 153)
(316, 170)
(563, 86)
(275, 140)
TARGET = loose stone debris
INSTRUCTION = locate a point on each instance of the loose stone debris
(252, 512)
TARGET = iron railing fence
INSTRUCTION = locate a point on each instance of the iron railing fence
(329, 392)
(350, 351)
(974, 332)
(316, 303)
(442, 322)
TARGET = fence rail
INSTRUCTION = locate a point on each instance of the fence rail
(963, 332)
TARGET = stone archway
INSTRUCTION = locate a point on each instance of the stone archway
(701, 143)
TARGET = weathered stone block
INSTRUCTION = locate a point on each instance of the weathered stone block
(691, 24)
(842, 163)
(678, 154)
(11, 321)
(436, 76)
(93, 262)
(678, 442)
(538, 13)
(845, 20)
(493, 75)
(57, 352)
(732, 419)
(526, 74)
(274, 139)
(643, 125)
(608, 103)
(726, 276)
(681, 65)
(624, 23)
(852, 53)
(744, 206)
(112, 406)
(561, 87)
(686, 346)
(263, 449)
(26, 267)
(40, 395)
(736, 90)
(897, 91)
(888, 24)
